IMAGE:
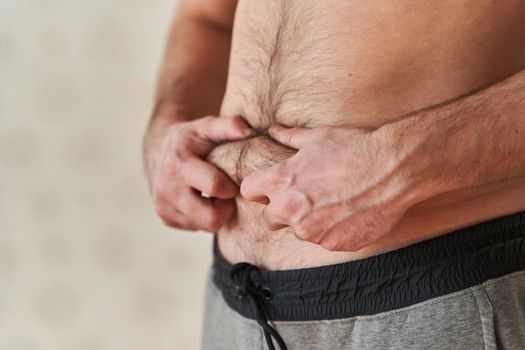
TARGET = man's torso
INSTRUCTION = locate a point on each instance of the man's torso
(313, 63)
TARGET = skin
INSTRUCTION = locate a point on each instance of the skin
(343, 176)
(393, 131)
(374, 177)
(182, 174)
(178, 136)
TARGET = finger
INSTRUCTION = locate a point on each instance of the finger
(201, 212)
(286, 209)
(336, 228)
(273, 218)
(316, 224)
(217, 129)
(295, 137)
(257, 186)
(343, 237)
(225, 209)
(205, 177)
(172, 217)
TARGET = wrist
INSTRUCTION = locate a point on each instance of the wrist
(421, 172)
(167, 111)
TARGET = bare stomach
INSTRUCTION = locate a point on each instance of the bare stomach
(333, 63)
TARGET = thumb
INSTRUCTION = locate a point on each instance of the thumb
(295, 137)
(218, 129)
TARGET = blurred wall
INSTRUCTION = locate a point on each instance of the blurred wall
(84, 262)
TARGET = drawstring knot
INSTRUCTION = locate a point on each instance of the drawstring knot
(245, 288)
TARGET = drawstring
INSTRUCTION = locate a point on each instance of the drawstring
(240, 274)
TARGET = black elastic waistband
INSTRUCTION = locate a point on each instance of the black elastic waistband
(400, 278)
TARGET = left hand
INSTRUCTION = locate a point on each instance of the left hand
(344, 189)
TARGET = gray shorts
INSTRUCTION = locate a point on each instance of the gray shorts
(463, 290)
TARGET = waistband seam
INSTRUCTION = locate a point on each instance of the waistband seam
(458, 261)
(343, 274)
(350, 299)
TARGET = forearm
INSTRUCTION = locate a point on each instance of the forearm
(193, 73)
(192, 76)
(476, 140)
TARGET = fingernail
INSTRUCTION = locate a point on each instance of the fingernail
(274, 128)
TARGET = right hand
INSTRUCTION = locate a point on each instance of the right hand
(179, 174)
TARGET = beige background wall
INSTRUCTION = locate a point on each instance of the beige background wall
(84, 262)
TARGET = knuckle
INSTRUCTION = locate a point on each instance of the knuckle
(173, 159)
(180, 154)
(332, 245)
(304, 232)
(289, 208)
(171, 168)
(165, 189)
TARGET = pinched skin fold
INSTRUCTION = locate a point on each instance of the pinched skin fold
(241, 158)
(311, 63)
